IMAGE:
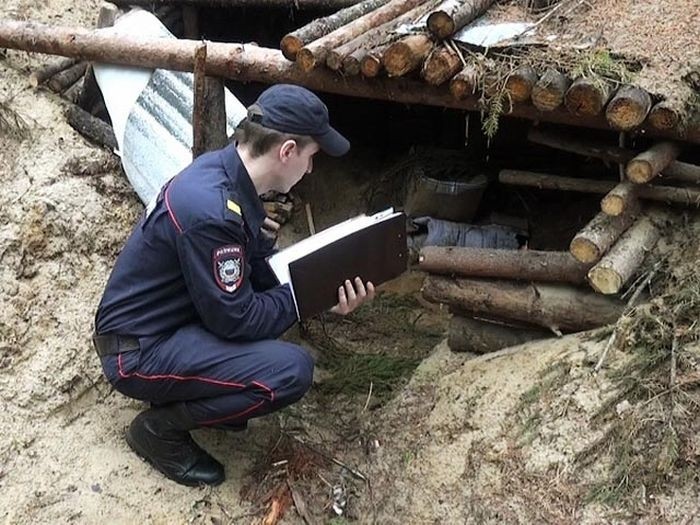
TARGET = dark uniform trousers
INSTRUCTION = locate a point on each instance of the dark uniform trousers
(222, 383)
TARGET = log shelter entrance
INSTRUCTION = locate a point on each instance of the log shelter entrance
(568, 165)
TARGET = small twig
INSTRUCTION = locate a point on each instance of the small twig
(628, 307)
(310, 218)
(369, 396)
(608, 346)
(351, 470)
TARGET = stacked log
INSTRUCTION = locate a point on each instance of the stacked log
(628, 108)
(480, 336)
(453, 15)
(442, 64)
(594, 240)
(556, 307)
(625, 258)
(316, 52)
(509, 312)
(349, 55)
(549, 91)
(293, 42)
(587, 96)
(650, 163)
(520, 83)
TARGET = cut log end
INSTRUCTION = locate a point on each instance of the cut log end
(334, 60)
(612, 205)
(639, 171)
(605, 280)
(548, 94)
(290, 46)
(584, 250)
(664, 117)
(440, 66)
(586, 97)
(464, 83)
(407, 54)
(351, 65)
(628, 108)
(519, 85)
(371, 66)
(440, 24)
(306, 60)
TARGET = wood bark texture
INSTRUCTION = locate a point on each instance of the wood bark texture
(466, 334)
(668, 194)
(557, 307)
(292, 42)
(596, 238)
(54, 67)
(315, 53)
(453, 15)
(92, 128)
(649, 164)
(528, 265)
(625, 258)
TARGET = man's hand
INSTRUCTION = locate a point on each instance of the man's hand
(349, 297)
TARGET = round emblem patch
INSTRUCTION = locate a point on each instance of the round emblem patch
(228, 267)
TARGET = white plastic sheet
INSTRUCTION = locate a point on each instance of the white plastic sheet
(151, 112)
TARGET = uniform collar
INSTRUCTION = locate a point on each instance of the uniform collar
(244, 189)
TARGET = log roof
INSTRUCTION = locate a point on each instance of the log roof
(651, 45)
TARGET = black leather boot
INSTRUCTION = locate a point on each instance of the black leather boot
(161, 436)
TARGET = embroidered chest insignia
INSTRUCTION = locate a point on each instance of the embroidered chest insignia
(228, 266)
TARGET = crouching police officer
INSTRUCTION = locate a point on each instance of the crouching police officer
(191, 311)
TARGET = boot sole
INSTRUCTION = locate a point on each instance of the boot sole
(139, 452)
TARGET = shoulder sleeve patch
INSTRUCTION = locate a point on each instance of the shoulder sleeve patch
(227, 262)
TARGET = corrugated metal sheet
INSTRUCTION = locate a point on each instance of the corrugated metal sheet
(152, 112)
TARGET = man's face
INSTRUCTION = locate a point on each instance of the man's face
(295, 162)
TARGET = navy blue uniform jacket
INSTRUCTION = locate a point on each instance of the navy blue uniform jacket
(199, 257)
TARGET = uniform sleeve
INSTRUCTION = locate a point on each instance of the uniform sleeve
(262, 277)
(217, 275)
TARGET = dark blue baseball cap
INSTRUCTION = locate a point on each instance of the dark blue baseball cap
(293, 109)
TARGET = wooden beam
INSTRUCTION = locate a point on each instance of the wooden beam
(625, 258)
(251, 63)
(557, 307)
(453, 15)
(682, 196)
(587, 96)
(648, 164)
(596, 238)
(549, 91)
(628, 108)
(316, 52)
(292, 42)
(199, 105)
(528, 265)
(466, 334)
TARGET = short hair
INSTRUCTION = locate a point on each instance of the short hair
(260, 139)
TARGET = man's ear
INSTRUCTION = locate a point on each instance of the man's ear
(287, 149)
